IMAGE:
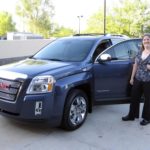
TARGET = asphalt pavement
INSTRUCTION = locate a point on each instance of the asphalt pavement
(102, 130)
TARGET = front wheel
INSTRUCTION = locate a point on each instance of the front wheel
(75, 110)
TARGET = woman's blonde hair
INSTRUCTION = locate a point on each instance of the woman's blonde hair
(146, 34)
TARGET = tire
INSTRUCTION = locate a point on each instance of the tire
(75, 110)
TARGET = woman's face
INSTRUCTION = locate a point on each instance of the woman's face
(146, 42)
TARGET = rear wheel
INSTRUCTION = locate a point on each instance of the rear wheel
(75, 110)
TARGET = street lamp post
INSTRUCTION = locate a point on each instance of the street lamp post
(104, 17)
(79, 17)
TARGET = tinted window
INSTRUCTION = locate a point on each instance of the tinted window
(66, 50)
(101, 47)
(116, 40)
(125, 50)
(134, 47)
(121, 51)
(110, 51)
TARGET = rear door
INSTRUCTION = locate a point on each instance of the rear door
(111, 78)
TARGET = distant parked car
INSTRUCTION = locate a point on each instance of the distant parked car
(62, 82)
(3, 37)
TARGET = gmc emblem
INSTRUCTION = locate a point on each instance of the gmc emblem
(4, 85)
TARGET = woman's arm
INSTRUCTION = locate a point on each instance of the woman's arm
(133, 72)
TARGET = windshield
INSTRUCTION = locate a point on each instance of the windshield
(66, 50)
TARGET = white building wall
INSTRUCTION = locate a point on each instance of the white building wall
(19, 48)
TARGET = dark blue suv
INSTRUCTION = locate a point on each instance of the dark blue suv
(62, 81)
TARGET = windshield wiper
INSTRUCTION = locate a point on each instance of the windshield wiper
(55, 59)
(52, 59)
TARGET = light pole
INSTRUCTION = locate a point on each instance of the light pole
(104, 17)
(79, 17)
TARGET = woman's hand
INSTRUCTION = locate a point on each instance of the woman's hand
(148, 66)
(131, 81)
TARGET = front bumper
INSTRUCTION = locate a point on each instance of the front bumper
(32, 108)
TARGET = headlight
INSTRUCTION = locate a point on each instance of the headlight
(41, 84)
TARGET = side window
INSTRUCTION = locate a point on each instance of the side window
(101, 47)
(110, 51)
(116, 40)
(121, 51)
(134, 47)
(125, 50)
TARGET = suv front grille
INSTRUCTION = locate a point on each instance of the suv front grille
(9, 89)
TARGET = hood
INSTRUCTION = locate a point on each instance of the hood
(32, 67)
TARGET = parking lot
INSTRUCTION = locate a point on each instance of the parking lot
(103, 130)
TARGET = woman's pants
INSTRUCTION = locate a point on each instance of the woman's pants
(140, 88)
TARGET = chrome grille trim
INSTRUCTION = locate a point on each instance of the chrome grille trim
(6, 96)
(10, 89)
(12, 75)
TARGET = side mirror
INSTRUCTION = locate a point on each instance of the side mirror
(104, 57)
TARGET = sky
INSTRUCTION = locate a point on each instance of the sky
(66, 11)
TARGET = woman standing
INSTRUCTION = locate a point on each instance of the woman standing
(140, 79)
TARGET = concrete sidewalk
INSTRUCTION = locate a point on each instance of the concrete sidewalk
(103, 130)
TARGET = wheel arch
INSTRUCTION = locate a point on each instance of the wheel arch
(71, 113)
(86, 88)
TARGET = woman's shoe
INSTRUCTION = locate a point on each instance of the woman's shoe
(127, 118)
(144, 122)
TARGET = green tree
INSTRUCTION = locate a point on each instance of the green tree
(129, 17)
(95, 23)
(6, 23)
(60, 31)
(37, 15)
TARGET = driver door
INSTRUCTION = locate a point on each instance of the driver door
(111, 78)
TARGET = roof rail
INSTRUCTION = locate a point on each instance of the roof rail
(86, 34)
(119, 35)
(94, 34)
